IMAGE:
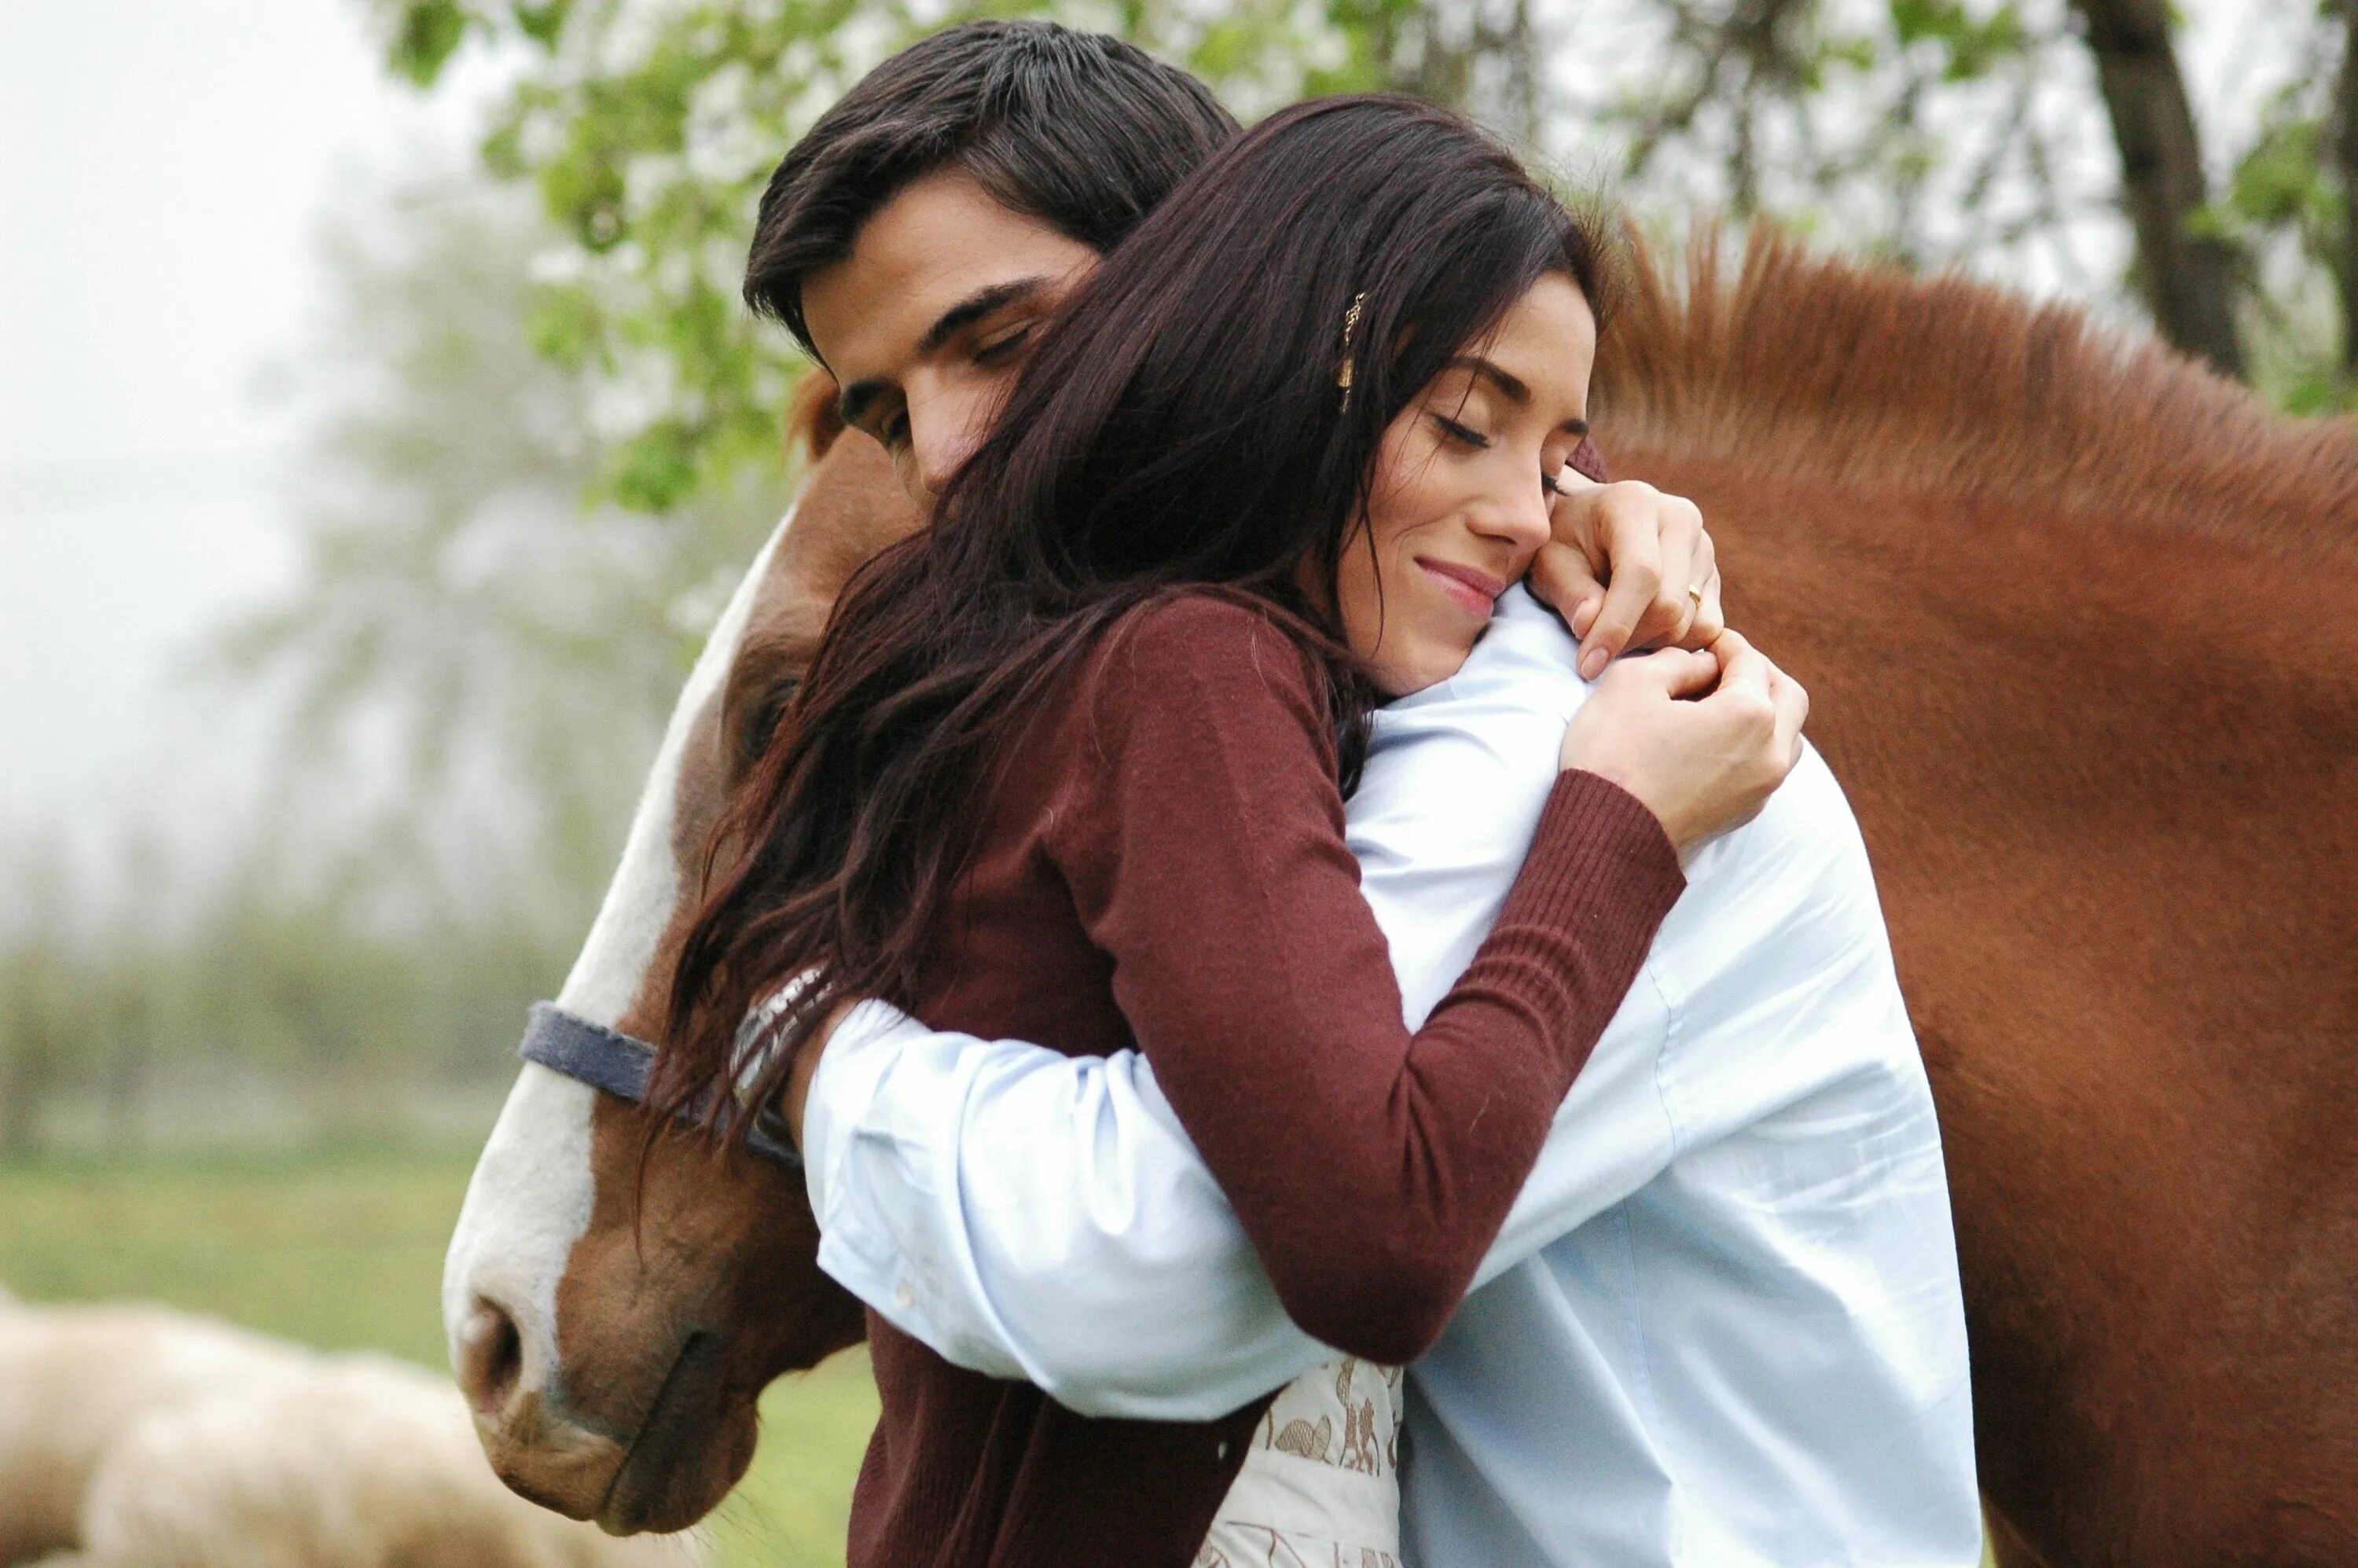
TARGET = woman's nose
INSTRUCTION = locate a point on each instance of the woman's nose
(1525, 520)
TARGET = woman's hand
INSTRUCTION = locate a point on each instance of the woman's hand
(1702, 739)
(805, 1067)
(1629, 568)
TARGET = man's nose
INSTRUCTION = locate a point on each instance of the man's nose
(943, 431)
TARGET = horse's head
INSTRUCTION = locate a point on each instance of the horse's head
(614, 1322)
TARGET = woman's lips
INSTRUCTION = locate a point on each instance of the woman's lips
(1477, 591)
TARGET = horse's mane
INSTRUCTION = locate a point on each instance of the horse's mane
(1812, 369)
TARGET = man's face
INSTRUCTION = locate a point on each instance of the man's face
(926, 321)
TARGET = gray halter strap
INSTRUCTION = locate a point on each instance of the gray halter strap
(610, 1060)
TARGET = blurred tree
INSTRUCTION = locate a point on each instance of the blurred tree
(473, 667)
(2008, 135)
(650, 129)
(477, 667)
(37, 997)
(2287, 212)
(1955, 131)
(1999, 133)
(131, 971)
(2185, 269)
(2345, 145)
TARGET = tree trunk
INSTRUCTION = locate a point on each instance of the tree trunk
(1498, 57)
(2187, 279)
(2345, 110)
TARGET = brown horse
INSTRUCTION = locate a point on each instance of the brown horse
(2072, 615)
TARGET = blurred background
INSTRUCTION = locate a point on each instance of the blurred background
(380, 431)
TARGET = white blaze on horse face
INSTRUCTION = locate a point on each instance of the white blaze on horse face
(532, 1192)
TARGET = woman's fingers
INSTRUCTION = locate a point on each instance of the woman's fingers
(1704, 627)
(1640, 553)
(1685, 561)
(1732, 649)
(1792, 702)
(1672, 672)
(1770, 706)
(1705, 765)
(1622, 524)
(1562, 578)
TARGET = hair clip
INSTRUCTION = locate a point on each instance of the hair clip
(1350, 325)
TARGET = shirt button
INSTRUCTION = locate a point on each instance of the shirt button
(904, 1296)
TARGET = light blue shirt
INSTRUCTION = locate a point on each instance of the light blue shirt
(1722, 1324)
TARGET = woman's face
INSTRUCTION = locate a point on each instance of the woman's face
(1462, 487)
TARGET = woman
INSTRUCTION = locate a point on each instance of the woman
(1070, 767)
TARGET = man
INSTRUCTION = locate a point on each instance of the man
(1722, 1324)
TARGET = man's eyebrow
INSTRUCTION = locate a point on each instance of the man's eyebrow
(974, 308)
(1511, 385)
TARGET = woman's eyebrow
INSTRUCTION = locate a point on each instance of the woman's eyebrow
(1512, 385)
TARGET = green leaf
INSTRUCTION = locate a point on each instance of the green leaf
(2282, 178)
(542, 24)
(426, 34)
(655, 469)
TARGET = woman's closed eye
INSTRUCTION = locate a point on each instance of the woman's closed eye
(1464, 435)
(1467, 435)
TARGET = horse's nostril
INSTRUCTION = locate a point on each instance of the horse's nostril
(491, 1359)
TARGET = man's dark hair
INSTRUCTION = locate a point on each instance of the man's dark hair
(1082, 131)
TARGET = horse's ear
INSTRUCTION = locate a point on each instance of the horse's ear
(811, 416)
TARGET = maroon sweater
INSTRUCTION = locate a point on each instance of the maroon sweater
(1162, 865)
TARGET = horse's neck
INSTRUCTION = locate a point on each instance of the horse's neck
(2073, 743)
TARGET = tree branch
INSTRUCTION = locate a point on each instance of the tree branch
(2345, 113)
(2187, 278)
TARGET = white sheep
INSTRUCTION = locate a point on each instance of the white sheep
(139, 1437)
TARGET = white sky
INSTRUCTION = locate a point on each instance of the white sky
(164, 168)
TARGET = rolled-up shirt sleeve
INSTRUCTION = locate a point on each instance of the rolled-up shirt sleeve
(1045, 1218)
(1034, 1216)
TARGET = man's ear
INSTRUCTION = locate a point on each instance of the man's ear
(811, 416)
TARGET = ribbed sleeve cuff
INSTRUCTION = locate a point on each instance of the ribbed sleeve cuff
(1600, 876)
(1600, 866)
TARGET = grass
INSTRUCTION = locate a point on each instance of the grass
(344, 1251)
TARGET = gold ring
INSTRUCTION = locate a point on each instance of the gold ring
(1696, 593)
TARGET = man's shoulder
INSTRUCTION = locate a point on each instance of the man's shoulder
(1522, 677)
(1790, 891)
(1806, 826)
(1529, 655)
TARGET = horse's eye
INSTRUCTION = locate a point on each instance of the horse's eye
(762, 723)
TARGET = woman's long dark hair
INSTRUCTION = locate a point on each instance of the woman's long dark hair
(1180, 426)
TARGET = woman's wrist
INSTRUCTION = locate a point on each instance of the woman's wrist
(798, 1077)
